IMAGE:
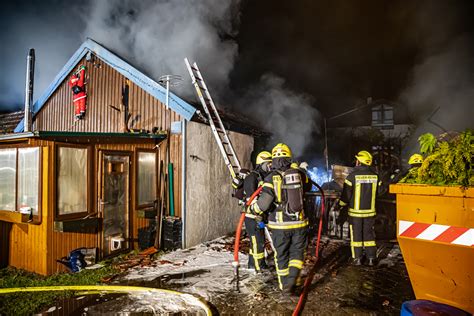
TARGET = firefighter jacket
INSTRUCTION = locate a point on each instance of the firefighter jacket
(274, 200)
(359, 192)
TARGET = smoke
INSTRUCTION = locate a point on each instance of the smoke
(288, 115)
(440, 94)
(156, 36)
(444, 81)
(31, 24)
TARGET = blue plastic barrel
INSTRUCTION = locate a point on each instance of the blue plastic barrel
(430, 308)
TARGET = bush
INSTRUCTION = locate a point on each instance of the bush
(447, 162)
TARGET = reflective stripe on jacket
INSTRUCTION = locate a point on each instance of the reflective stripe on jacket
(359, 192)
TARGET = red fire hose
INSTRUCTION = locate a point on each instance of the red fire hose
(235, 264)
(299, 307)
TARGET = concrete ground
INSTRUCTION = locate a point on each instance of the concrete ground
(205, 271)
(337, 289)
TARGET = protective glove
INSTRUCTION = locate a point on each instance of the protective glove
(82, 67)
(254, 209)
(260, 222)
(237, 182)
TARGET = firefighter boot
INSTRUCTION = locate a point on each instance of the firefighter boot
(356, 261)
(371, 262)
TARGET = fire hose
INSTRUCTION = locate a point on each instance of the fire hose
(309, 279)
(235, 263)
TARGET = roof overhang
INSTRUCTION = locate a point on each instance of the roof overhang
(86, 137)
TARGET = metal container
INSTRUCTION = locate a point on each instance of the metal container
(435, 230)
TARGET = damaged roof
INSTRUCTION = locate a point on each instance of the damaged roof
(177, 104)
(232, 121)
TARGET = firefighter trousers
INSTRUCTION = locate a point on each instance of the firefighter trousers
(362, 234)
(257, 244)
(290, 249)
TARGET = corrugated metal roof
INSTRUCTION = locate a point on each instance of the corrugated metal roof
(153, 88)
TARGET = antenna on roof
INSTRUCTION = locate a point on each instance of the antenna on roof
(169, 81)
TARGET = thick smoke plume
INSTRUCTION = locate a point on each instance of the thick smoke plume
(444, 81)
(440, 96)
(156, 36)
(288, 115)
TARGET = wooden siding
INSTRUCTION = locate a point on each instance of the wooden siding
(37, 247)
(60, 244)
(5, 228)
(104, 89)
(27, 243)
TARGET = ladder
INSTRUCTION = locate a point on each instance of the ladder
(218, 129)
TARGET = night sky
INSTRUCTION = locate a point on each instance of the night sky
(326, 56)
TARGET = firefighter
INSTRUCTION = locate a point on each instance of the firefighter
(253, 224)
(77, 84)
(282, 199)
(415, 162)
(359, 192)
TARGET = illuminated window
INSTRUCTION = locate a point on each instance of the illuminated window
(28, 178)
(146, 178)
(7, 179)
(19, 179)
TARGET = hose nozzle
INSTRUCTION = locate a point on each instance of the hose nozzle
(236, 265)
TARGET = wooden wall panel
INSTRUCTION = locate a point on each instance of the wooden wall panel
(5, 228)
(104, 88)
(28, 242)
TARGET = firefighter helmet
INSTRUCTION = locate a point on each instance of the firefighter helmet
(281, 150)
(415, 158)
(264, 156)
(364, 157)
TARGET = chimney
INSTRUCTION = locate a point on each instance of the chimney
(30, 73)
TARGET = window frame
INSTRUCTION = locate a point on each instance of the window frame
(25, 218)
(89, 182)
(137, 172)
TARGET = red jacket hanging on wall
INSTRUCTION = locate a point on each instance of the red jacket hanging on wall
(77, 85)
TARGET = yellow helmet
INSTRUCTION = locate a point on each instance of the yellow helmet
(264, 156)
(415, 158)
(364, 157)
(281, 150)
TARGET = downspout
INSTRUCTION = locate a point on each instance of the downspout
(30, 74)
(183, 182)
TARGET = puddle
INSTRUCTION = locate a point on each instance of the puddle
(139, 303)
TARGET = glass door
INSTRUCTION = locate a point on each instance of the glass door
(114, 202)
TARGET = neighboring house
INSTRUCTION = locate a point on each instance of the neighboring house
(380, 126)
(8, 121)
(93, 182)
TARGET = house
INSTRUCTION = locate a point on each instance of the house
(97, 181)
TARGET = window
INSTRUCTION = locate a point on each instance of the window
(28, 179)
(382, 116)
(146, 178)
(72, 180)
(7, 179)
(20, 181)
